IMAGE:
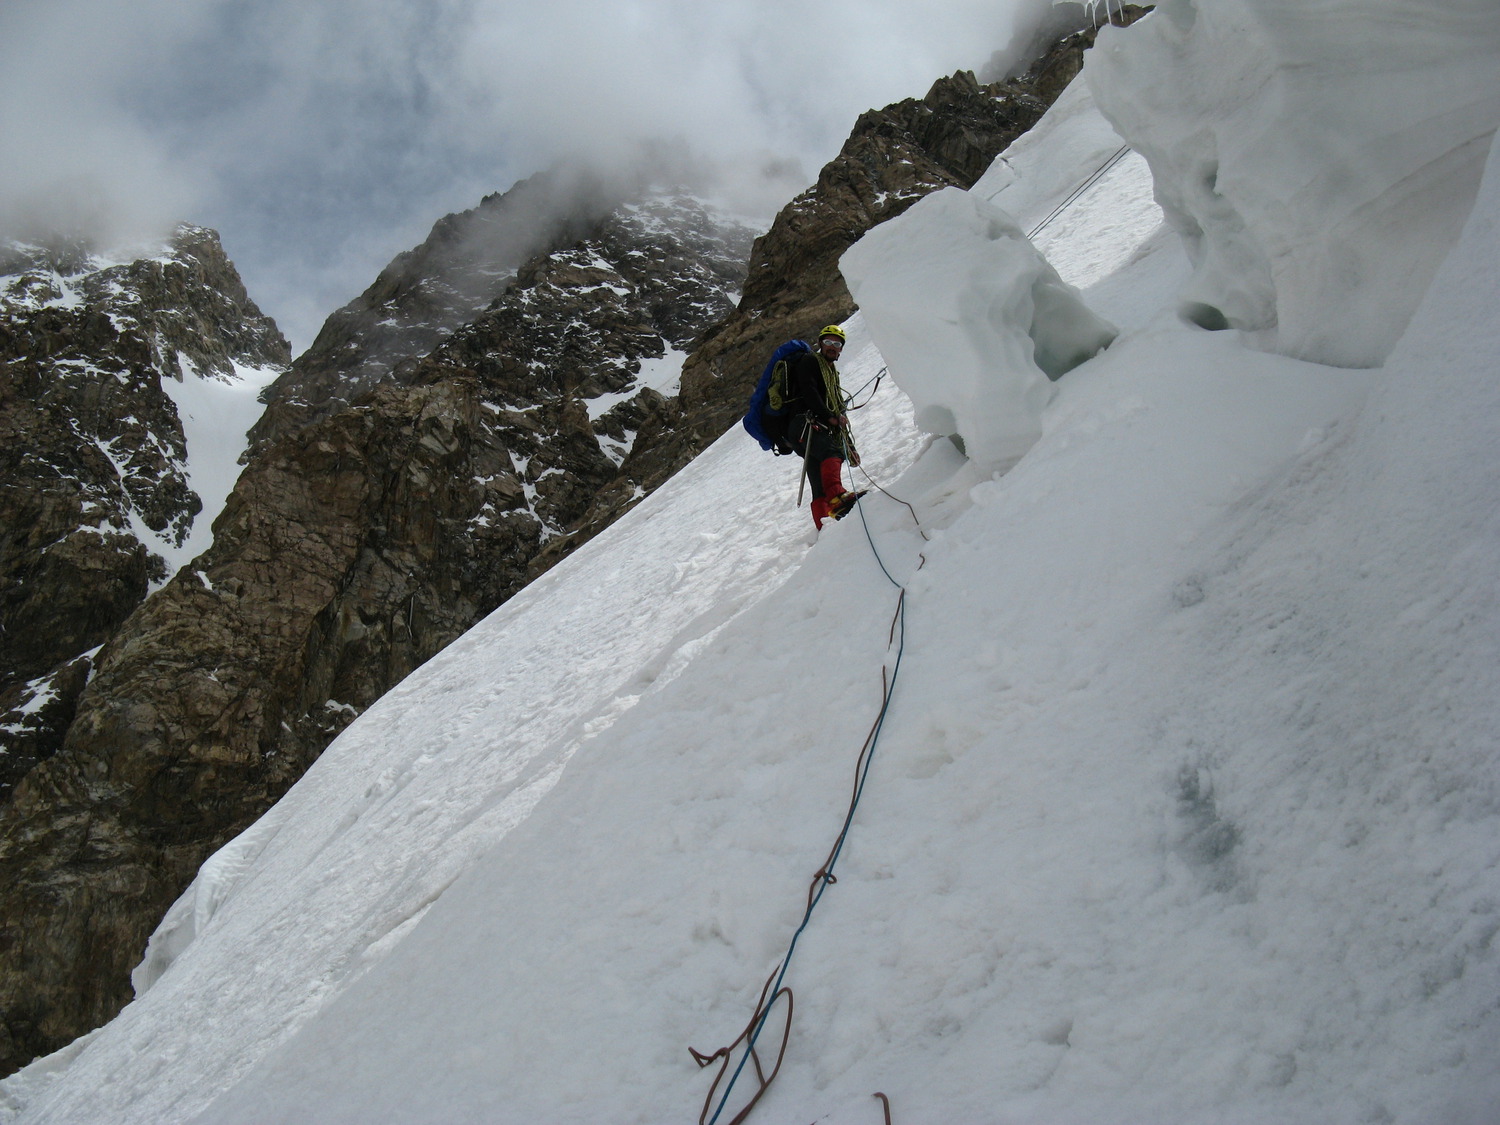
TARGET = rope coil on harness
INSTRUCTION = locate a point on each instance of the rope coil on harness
(746, 1044)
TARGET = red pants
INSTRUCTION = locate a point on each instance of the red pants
(822, 450)
(828, 482)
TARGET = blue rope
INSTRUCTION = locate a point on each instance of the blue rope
(878, 559)
(825, 876)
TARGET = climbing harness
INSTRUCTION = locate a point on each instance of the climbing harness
(747, 1043)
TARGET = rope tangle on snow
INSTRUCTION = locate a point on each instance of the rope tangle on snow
(748, 1037)
(774, 990)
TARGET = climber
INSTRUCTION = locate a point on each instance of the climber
(818, 428)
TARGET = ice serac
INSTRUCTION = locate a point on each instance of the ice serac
(1301, 147)
(972, 321)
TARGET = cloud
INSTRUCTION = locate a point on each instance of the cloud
(73, 158)
(774, 76)
(323, 138)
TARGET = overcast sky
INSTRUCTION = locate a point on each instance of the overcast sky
(323, 137)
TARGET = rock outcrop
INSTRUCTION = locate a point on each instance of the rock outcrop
(425, 294)
(94, 479)
(354, 547)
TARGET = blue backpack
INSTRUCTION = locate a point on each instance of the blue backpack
(763, 421)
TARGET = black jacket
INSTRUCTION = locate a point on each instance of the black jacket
(813, 387)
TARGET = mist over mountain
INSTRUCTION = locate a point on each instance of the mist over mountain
(425, 293)
(320, 140)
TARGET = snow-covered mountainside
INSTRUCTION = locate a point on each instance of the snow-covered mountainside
(395, 492)
(351, 549)
(126, 388)
(1184, 808)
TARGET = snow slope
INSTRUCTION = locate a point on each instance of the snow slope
(1185, 808)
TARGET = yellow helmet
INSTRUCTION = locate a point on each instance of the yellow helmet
(833, 330)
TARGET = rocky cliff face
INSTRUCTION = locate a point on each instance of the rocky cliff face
(95, 484)
(354, 546)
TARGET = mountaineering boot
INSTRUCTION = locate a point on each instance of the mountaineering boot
(842, 504)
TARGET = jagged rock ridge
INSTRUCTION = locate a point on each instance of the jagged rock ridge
(94, 479)
(467, 261)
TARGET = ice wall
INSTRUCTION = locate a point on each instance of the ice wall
(971, 320)
(1318, 157)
